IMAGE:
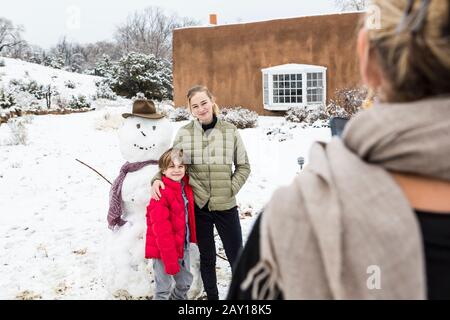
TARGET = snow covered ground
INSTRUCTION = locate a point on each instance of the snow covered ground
(53, 209)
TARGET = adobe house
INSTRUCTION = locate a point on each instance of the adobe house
(268, 66)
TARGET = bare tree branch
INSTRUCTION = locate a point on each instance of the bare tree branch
(351, 5)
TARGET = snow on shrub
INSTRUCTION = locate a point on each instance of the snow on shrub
(7, 99)
(104, 91)
(307, 114)
(2, 62)
(78, 102)
(70, 84)
(26, 100)
(241, 117)
(346, 102)
(296, 114)
(30, 86)
(138, 72)
(179, 114)
(165, 108)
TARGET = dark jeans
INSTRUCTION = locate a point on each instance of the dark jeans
(229, 228)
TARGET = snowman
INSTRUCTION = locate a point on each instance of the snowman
(143, 138)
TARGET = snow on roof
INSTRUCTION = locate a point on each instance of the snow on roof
(291, 67)
(267, 20)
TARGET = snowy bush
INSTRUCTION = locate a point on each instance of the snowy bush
(104, 68)
(26, 100)
(241, 117)
(60, 101)
(56, 62)
(79, 102)
(2, 62)
(316, 113)
(30, 86)
(7, 100)
(19, 132)
(179, 114)
(103, 91)
(296, 114)
(309, 114)
(346, 102)
(138, 96)
(137, 72)
(70, 84)
(165, 108)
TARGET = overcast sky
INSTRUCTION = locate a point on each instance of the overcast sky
(83, 21)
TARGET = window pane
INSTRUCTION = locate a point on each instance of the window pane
(275, 99)
(287, 84)
(319, 75)
(299, 99)
(281, 99)
(275, 77)
(299, 84)
(293, 92)
(299, 92)
(299, 76)
(281, 84)
(275, 92)
(275, 84)
(292, 77)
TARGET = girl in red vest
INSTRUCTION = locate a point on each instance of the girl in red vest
(170, 229)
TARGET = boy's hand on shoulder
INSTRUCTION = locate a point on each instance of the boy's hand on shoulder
(156, 192)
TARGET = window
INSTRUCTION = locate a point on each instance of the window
(287, 88)
(314, 87)
(293, 85)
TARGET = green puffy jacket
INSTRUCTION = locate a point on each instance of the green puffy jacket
(210, 158)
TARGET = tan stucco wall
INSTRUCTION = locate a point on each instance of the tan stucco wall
(229, 58)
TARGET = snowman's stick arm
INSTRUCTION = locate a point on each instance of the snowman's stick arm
(94, 170)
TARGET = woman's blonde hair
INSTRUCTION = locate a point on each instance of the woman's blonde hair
(198, 88)
(412, 47)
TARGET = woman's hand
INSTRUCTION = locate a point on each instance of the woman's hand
(156, 193)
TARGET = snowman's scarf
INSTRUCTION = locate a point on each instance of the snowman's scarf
(115, 194)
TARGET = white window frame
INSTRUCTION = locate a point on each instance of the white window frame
(289, 69)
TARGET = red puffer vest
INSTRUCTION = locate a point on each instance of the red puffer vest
(166, 224)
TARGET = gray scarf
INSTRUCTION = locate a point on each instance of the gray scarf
(343, 229)
(115, 194)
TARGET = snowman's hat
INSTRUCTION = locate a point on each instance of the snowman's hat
(145, 109)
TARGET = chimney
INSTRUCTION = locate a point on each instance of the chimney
(213, 19)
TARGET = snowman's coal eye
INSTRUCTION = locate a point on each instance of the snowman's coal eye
(138, 126)
(154, 128)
